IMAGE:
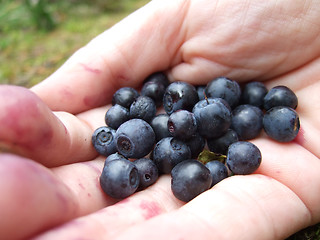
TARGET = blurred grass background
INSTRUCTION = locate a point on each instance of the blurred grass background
(37, 36)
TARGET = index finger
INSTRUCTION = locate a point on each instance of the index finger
(108, 61)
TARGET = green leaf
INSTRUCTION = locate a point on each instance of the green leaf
(207, 156)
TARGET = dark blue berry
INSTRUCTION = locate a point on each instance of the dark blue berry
(103, 140)
(135, 138)
(196, 144)
(160, 126)
(182, 124)
(253, 93)
(144, 108)
(116, 115)
(115, 156)
(189, 179)
(281, 123)
(217, 170)
(119, 178)
(125, 96)
(179, 95)
(213, 117)
(247, 121)
(168, 152)
(220, 145)
(148, 172)
(201, 91)
(224, 88)
(158, 77)
(243, 158)
(154, 87)
(280, 96)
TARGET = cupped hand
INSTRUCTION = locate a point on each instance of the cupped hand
(50, 180)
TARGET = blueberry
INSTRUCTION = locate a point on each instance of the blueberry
(253, 93)
(158, 77)
(160, 126)
(179, 95)
(281, 123)
(148, 172)
(280, 96)
(217, 170)
(196, 144)
(243, 158)
(116, 115)
(220, 145)
(247, 121)
(224, 88)
(119, 178)
(201, 91)
(182, 124)
(115, 156)
(103, 140)
(168, 152)
(213, 117)
(189, 179)
(155, 86)
(125, 96)
(144, 108)
(135, 138)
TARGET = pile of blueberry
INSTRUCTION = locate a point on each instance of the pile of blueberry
(198, 134)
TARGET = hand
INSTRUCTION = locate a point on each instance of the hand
(50, 185)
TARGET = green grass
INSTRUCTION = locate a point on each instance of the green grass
(29, 55)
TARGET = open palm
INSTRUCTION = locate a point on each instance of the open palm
(50, 184)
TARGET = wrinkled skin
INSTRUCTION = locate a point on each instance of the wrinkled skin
(49, 180)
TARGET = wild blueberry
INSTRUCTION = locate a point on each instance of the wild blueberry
(168, 152)
(116, 115)
(115, 156)
(189, 179)
(158, 77)
(119, 178)
(182, 124)
(125, 96)
(253, 93)
(135, 138)
(247, 121)
(243, 158)
(280, 96)
(220, 145)
(103, 140)
(179, 95)
(144, 108)
(213, 117)
(201, 91)
(155, 86)
(196, 144)
(224, 88)
(148, 172)
(160, 126)
(281, 123)
(217, 170)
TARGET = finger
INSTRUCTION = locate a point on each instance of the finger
(241, 207)
(32, 198)
(28, 127)
(246, 41)
(42, 199)
(109, 222)
(116, 58)
(249, 207)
